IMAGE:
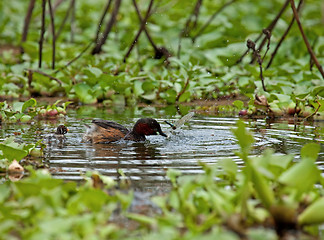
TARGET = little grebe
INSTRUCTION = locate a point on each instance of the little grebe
(103, 131)
(59, 135)
(61, 130)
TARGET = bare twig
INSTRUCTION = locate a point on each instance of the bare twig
(315, 112)
(202, 29)
(145, 29)
(309, 48)
(27, 22)
(64, 20)
(270, 28)
(45, 74)
(143, 23)
(267, 34)
(74, 59)
(251, 45)
(73, 20)
(284, 35)
(159, 51)
(53, 33)
(57, 4)
(41, 40)
(182, 90)
(111, 22)
(102, 19)
(311, 61)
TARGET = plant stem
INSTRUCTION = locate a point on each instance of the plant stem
(53, 33)
(111, 22)
(31, 7)
(284, 35)
(45, 74)
(309, 48)
(143, 23)
(41, 40)
(202, 29)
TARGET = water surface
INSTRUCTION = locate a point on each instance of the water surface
(205, 138)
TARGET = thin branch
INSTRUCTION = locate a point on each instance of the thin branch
(41, 40)
(270, 28)
(143, 23)
(311, 61)
(45, 74)
(251, 45)
(73, 20)
(101, 42)
(309, 48)
(145, 29)
(102, 19)
(31, 7)
(202, 29)
(182, 90)
(267, 34)
(315, 112)
(74, 59)
(64, 20)
(53, 33)
(159, 51)
(284, 35)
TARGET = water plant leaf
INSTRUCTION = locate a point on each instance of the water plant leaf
(313, 214)
(29, 103)
(12, 152)
(229, 166)
(244, 138)
(310, 151)
(238, 104)
(84, 93)
(263, 188)
(142, 219)
(301, 176)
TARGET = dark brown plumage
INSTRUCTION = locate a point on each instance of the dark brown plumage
(103, 131)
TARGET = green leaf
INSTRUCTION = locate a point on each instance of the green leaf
(301, 176)
(238, 104)
(185, 97)
(93, 72)
(263, 188)
(229, 166)
(313, 214)
(310, 151)
(30, 103)
(142, 218)
(12, 153)
(172, 175)
(244, 138)
(84, 93)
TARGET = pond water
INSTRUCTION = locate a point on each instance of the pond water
(204, 138)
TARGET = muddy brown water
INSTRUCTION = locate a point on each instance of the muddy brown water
(205, 138)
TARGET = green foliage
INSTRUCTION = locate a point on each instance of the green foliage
(42, 207)
(26, 111)
(206, 68)
(220, 203)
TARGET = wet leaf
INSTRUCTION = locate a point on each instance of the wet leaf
(301, 176)
(83, 91)
(310, 151)
(11, 152)
(29, 103)
(313, 214)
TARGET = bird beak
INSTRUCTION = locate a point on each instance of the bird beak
(161, 133)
